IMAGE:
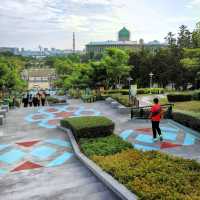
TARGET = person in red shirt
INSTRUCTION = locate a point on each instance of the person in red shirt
(155, 117)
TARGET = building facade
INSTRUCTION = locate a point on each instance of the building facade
(123, 42)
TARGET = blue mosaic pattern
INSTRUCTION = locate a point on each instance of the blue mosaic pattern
(12, 156)
(47, 116)
(189, 139)
(2, 171)
(125, 134)
(144, 140)
(53, 156)
(60, 160)
(43, 152)
(3, 146)
(58, 142)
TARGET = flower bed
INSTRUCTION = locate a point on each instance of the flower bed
(152, 175)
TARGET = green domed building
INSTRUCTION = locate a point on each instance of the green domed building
(124, 35)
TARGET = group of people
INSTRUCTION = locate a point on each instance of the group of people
(34, 99)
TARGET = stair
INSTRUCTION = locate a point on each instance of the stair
(69, 181)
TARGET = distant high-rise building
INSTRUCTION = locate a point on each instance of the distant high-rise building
(74, 43)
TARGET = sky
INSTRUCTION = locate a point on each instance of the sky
(51, 23)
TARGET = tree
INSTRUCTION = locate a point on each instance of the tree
(170, 39)
(115, 62)
(184, 38)
(196, 36)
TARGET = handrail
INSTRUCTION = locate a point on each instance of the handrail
(142, 107)
(141, 110)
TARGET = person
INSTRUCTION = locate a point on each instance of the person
(38, 99)
(43, 98)
(155, 116)
(30, 100)
(35, 101)
(25, 100)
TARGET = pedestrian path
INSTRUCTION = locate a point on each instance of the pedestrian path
(38, 162)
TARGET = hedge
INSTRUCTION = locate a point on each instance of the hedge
(89, 127)
(187, 120)
(179, 97)
(153, 175)
(104, 145)
(196, 95)
(53, 100)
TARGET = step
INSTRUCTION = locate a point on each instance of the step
(80, 192)
(46, 189)
(106, 195)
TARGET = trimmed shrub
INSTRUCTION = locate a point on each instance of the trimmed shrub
(187, 120)
(179, 97)
(196, 95)
(53, 100)
(104, 145)
(153, 175)
(89, 127)
(150, 90)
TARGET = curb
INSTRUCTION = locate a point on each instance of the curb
(118, 189)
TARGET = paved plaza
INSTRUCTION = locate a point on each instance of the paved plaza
(37, 160)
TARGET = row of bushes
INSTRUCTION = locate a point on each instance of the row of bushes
(150, 175)
(139, 91)
(187, 120)
(153, 175)
(179, 97)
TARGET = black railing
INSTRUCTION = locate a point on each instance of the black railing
(143, 112)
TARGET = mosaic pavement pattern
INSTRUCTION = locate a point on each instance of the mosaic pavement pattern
(173, 136)
(49, 117)
(33, 154)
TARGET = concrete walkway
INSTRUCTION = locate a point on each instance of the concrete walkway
(38, 163)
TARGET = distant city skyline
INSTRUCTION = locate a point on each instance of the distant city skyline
(51, 23)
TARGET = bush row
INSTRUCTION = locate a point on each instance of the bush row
(139, 91)
(89, 127)
(153, 175)
(179, 97)
(187, 120)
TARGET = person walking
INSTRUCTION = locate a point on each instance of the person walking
(38, 99)
(35, 101)
(30, 100)
(25, 100)
(43, 98)
(155, 116)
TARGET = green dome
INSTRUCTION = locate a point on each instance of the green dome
(124, 34)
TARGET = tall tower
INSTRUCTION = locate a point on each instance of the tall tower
(74, 43)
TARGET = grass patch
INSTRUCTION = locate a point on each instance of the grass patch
(89, 127)
(152, 175)
(103, 146)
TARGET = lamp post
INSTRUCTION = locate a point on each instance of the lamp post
(129, 79)
(151, 80)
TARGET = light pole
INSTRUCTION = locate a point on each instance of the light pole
(151, 80)
(129, 79)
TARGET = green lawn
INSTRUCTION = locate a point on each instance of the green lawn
(188, 107)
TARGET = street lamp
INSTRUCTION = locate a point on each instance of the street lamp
(129, 79)
(151, 79)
